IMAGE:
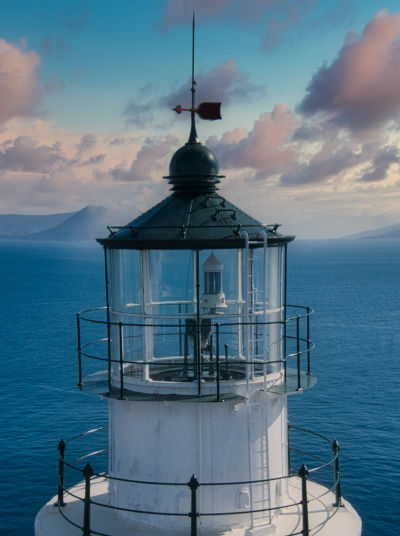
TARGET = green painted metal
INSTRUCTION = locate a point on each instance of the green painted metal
(192, 221)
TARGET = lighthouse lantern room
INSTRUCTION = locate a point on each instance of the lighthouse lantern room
(198, 352)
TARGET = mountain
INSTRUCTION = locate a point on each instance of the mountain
(85, 225)
(392, 231)
(12, 225)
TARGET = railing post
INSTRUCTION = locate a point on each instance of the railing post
(211, 368)
(108, 319)
(121, 363)
(217, 360)
(194, 486)
(227, 376)
(60, 495)
(303, 474)
(308, 342)
(186, 353)
(87, 474)
(180, 328)
(78, 330)
(298, 353)
(336, 472)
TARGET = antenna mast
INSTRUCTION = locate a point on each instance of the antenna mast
(205, 110)
(193, 134)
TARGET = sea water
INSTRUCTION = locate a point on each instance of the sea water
(353, 287)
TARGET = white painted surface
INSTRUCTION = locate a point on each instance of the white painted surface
(324, 519)
(218, 442)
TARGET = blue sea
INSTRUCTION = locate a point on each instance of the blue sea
(353, 287)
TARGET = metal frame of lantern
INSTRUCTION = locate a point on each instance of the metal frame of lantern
(256, 355)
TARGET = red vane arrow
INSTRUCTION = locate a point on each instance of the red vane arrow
(205, 110)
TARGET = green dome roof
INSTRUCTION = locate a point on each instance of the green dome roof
(194, 168)
(193, 160)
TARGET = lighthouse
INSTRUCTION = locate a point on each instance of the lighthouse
(196, 351)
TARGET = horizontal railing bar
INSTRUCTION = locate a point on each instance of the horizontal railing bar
(254, 511)
(85, 456)
(294, 427)
(149, 323)
(135, 511)
(160, 361)
(88, 432)
(292, 449)
(241, 483)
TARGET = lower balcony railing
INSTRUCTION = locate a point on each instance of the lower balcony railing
(303, 506)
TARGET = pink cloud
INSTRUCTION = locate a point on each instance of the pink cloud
(266, 147)
(332, 159)
(18, 81)
(23, 154)
(150, 157)
(381, 163)
(88, 141)
(224, 83)
(361, 88)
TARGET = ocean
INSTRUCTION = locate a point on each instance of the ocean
(353, 287)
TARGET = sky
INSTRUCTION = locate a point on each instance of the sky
(310, 93)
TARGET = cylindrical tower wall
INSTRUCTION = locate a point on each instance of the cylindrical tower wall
(218, 442)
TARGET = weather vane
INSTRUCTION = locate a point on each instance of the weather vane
(205, 110)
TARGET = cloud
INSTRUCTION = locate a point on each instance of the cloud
(285, 15)
(88, 141)
(137, 114)
(382, 161)
(224, 83)
(361, 88)
(117, 141)
(330, 160)
(278, 16)
(266, 147)
(18, 81)
(54, 85)
(23, 154)
(56, 48)
(150, 157)
(96, 159)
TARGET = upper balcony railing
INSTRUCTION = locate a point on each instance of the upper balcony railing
(213, 352)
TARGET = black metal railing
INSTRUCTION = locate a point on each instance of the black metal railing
(90, 477)
(206, 364)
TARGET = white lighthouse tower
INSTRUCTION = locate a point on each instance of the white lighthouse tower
(198, 353)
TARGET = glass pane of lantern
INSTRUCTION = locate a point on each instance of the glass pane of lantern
(275, 303)
(125, 274)
(126, 304)
(258, 279)
(171, 275)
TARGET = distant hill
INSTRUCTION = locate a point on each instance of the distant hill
(392, 231)
(85, 225)
(12, 225)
